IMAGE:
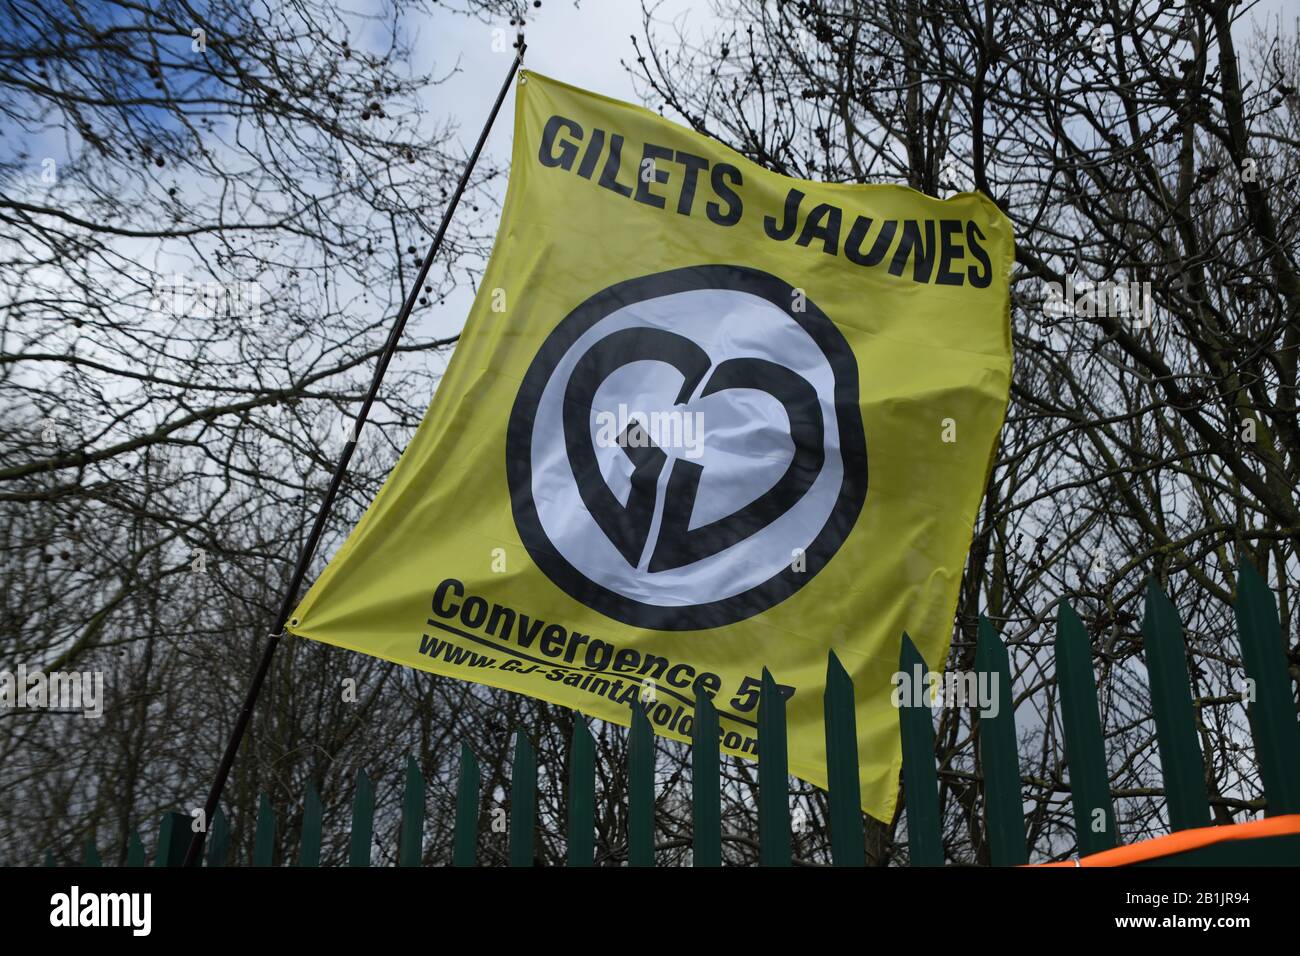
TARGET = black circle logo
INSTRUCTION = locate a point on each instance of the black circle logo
(686, 449)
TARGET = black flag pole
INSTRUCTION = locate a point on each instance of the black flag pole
(195, 851)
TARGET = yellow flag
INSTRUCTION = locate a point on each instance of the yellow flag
(703, 419)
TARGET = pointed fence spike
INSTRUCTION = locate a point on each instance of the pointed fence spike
(1085, 753)
(773, 777)
(135, 855)
(523, 802)
(640, 790)
(920, 781)
(465, 850)
(1273, 713)
(1181, 762)
(219, 839)
(844, 788)
(1004, 810)
(411, 845)
(309, 842)
(173, 839)
(363, 821)
(264, 837)
(582, 794)
(706, 782)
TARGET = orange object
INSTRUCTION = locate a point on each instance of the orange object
(1185, 840)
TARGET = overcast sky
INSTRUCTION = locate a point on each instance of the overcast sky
(581, 45)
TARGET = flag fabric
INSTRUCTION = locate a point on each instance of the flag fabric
(703, 419)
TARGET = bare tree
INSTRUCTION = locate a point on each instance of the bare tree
(209, 213)
(1153, 430)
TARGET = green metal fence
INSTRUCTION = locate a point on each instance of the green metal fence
(1272, 715)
